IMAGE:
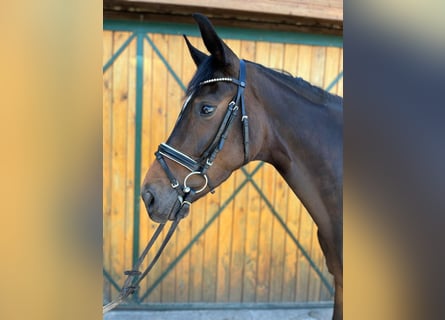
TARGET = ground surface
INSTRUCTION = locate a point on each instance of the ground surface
(312, 312)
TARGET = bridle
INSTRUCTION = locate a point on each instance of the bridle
(196, 167)
(201, 166)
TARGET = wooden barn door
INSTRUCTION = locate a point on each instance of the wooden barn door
(252, 241)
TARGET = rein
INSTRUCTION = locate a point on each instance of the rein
(134, 276)
(185, 193)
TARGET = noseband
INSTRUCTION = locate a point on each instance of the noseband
(201, 166)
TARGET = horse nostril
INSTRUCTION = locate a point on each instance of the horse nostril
(149, 200)
(147, 197)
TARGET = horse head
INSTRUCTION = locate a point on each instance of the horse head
(192, 162)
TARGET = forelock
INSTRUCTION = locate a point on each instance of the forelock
(205, 72)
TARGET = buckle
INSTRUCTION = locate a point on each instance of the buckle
(132, 272)
(233, 106)
(175, 184)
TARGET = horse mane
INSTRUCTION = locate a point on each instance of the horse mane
(302, 87)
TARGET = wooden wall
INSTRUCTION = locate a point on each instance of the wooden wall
(244, 255)
(319, 9)
(315, 16)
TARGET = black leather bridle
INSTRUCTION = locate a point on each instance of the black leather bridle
(196, 167)
(202, 165)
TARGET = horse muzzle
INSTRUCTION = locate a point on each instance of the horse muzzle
(160, 209)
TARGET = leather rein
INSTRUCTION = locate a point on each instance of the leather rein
(196, 167)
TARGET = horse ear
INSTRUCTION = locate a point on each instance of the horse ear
(219, 50)
(197, 56)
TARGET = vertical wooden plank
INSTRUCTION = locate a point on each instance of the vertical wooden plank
(238, 241)
(148, 146)
(304, 269)
(130, 156)
(106, 156)
(324, 294)
(174, 91)
(278, 245)
(317, 66)
(340, 83)
(128, 187)
(209, 280)
(225, 243)
(247, 50)
(147, 226)
(262, 53)
(119, 122)
(252, 246)
(196, 252)
(331, 67)
(290, 61)
(276, 56)
(295, 208)
(265, 236)
(304, 62)
(182, 269)
(162, 43)
(157, 124)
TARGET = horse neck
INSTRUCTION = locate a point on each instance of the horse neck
(301, 136)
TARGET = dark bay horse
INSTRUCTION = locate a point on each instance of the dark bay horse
(238, 111)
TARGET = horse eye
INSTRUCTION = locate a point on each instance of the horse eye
(207, 110)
